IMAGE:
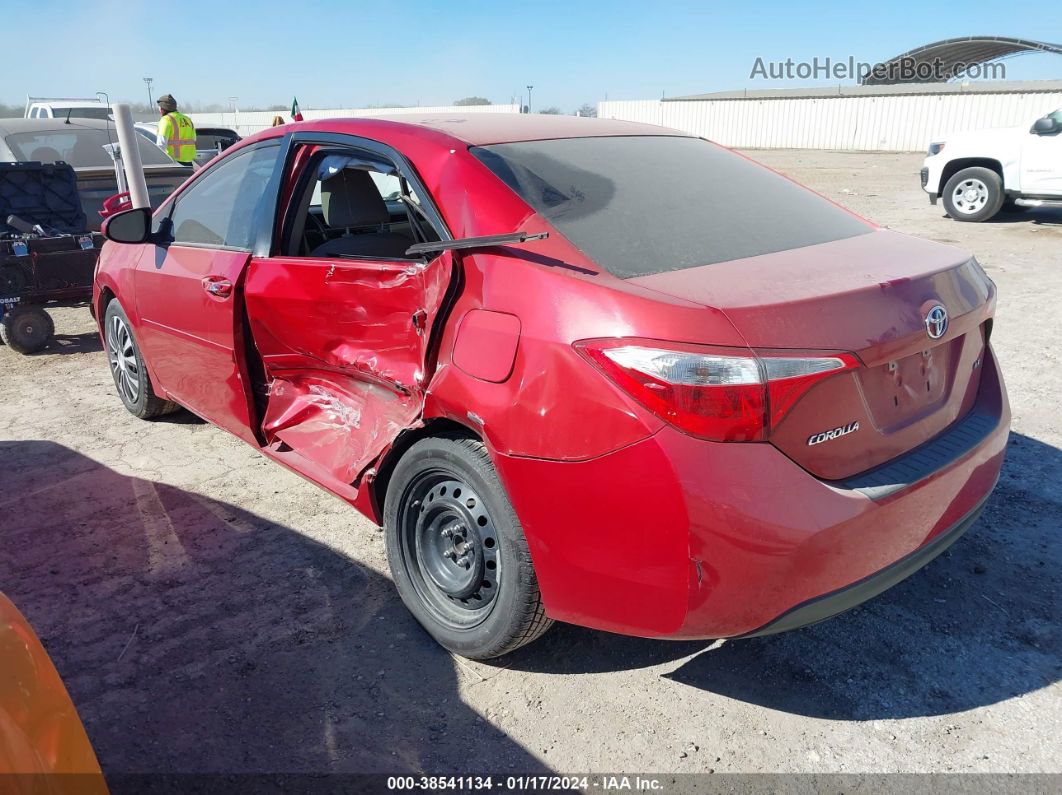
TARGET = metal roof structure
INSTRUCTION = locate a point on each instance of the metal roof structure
(900, 89)
(944, 60)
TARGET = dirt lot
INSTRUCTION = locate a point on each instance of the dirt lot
(211, 611)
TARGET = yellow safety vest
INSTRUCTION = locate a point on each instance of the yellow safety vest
(179, 133)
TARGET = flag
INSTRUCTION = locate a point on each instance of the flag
(296, 114)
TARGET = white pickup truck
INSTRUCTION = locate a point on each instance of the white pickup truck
(67, 108)
(974, 173)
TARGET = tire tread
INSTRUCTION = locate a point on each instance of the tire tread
(533, 621)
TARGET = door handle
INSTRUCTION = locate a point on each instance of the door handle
(217, 286)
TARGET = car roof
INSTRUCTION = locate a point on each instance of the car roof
(480, 129)
(9, 126)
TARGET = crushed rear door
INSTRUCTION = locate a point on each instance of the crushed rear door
(345, 344)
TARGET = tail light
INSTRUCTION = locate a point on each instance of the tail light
(723, 394)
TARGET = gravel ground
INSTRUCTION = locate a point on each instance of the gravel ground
(211, 611)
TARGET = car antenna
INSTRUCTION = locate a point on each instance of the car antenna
(68, 110)
(110, 113)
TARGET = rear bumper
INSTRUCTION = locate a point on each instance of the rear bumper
(682, 538)
(832, 604)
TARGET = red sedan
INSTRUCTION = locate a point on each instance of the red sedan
(578, 369)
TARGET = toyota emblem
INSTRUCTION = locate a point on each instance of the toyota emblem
(937, 321)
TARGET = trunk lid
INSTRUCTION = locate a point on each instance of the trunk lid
(95, 185)
(868, 295)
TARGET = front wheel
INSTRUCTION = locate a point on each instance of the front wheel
(457, 552)
(127, 367)
(973, 194)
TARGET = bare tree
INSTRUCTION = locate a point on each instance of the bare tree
(552, 110)
(472, 101)
(587, 110)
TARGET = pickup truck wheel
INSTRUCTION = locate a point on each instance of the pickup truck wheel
(973, 194)
(457, 552)
(127, 367)
(27, 329)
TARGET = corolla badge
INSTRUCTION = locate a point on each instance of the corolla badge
(833, 433)
(937, 321)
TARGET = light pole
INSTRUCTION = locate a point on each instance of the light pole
(149, 81)
(529, 98)
(232, 107)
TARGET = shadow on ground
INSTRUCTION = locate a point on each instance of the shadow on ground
(64, 344)
(1048, 216)
(194, 636)
(975, 627)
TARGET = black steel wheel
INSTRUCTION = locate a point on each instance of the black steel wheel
(457, 552)
(27, 329)
(451, 545)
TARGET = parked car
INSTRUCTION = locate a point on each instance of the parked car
(43, 745)
(67, 108)
(209, 141)
(578, 369)
(81, 144)
(976, 172)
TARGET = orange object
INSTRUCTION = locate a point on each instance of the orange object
(43, 746)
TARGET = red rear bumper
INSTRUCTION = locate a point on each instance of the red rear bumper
(678, 537)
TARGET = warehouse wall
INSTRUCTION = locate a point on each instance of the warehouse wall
(879, 123)
(248, 122)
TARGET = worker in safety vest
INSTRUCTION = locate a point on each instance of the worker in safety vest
(176, 133)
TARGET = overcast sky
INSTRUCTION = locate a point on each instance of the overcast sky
(336, 53)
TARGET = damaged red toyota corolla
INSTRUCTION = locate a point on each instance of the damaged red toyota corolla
(578, 369)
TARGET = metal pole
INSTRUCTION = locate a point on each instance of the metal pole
(529, 98)
(134, 168)
(149, 81)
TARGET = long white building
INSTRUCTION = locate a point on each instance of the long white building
(891, 118)
(247, 122)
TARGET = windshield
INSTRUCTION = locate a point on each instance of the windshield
(81, 147)
(648, 204)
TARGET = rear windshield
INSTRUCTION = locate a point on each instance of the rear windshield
(649, 204)
(82, 113)
(81, 147)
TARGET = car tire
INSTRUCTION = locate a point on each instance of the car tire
(127, 367)
(973, 194)
(457, 552)
(27, 329)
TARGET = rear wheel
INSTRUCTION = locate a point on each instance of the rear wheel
(457, 552)
(973, 194)
(127, 367)
(27, 329)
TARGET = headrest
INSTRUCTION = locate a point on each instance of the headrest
(351, 198)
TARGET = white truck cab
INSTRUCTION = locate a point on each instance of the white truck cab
(66, 107)
(975, 172)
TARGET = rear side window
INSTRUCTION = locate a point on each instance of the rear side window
(81, 147)
(640, 205)
(220, 208)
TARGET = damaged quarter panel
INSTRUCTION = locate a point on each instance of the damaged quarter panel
(343, 343)
(553, 404)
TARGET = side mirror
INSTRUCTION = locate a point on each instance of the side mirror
(131, 226)
(1044, 126)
